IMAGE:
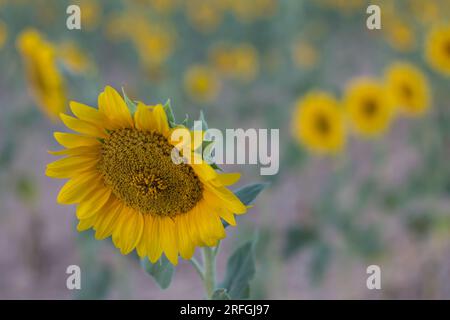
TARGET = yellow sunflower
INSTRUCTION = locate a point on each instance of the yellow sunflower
(126, 185)
(408, 87)
(3, 34)
(46, 83)
(367, 106)
(318, 123)
(201, 83)
(438, 49)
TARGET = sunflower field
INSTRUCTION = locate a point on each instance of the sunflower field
(92, 91)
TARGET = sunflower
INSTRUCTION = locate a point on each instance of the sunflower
(438, 49)
(318, 123)
(201, 83)
(44, 79)
(126, 185)
(367, 106)
(408, 87)
(3, 34)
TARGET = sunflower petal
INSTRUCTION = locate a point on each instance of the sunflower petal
(93, 203)
(73, 140)
(116, 108)
(169, 239)
(82, 126)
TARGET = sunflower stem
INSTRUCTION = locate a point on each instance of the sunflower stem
(209, 274)
(198, 268)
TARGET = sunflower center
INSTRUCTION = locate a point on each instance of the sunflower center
(369, 107)
(323, 124)
(447, 48)
(407, 92)
(137, 165)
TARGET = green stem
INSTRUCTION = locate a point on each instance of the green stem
(198, 268)
(209, 274)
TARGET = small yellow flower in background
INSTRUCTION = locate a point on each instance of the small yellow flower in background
(368, 106)
(125, 184)
(204, 15)
(246, 62)
(408, 87)
(91, 13)
(73, 57)
(400, 34)
(201, 83)
(438, 49)
(45, 81)
(164, 6)
(318, 123)
(238, 62)
(3, 34)
(153, 40)
(249, 11)
(304, 55)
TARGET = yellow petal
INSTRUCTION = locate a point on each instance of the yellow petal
(76, 189)
(116, 108)
(78, 151)
(86, 224)
(227, 179)
(130, 230)
(154, 249)
(228, 198)
(160, 118)
(86, 113)
(169, 239)
(143, 118)
(68, 167)
(82, 126)
(107, 220)
(93, 202)
(185, 243)
(73, 140)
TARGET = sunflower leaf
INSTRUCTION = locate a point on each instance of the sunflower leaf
(130, 104)
(200, 121)
(169, 112)
(220, 294)
(161, 271)
(240, 271)
(248, 194)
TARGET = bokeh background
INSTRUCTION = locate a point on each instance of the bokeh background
(380, 200)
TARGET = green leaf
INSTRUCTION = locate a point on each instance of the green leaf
(185, 121)
(162, 271)
(248, 194)
(130, 104)
(220, 294)
(240, 271)
(203, 122)
(169, 112)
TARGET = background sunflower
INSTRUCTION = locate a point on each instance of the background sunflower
(327, 215)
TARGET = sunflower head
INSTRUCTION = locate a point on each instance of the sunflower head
(438, 49)
(125, 184)
(318, 123)
(367, 106)
(408, 88)
(45, 81)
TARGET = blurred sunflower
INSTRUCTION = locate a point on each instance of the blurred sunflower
(3, 34)
(438, 49)
(126, 185)
(400, 35)
(204, 15)
(45, 81)
(408, 87)
(74, 57)
(304, 54)
(318, 123)
(246, 62)
(201, 83)
(368, 106)
(91, 13)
